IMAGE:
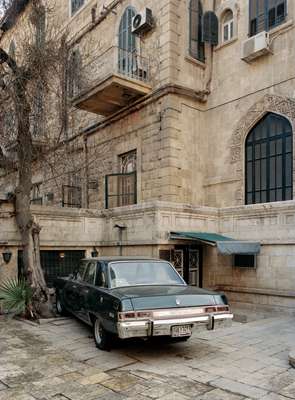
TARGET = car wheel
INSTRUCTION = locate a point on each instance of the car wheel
(101, 336)
(60, 307)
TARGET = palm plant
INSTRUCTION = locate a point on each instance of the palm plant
(16, 296)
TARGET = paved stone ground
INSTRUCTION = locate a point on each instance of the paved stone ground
(58, 360)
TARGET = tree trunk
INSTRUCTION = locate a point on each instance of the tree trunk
(28, 228)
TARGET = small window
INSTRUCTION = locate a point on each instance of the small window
(90, 273)
(244, 260)
(76, 5)
(228, 26)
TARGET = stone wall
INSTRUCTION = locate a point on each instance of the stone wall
(147, 230)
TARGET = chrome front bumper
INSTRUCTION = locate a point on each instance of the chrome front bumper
(150, 328)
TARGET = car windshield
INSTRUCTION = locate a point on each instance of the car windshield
(137, 273)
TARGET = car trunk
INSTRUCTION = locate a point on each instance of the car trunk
(156, 297)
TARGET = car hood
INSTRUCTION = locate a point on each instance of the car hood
(150, 297)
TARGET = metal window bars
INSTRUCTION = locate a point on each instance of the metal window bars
(71, 196)
(120, 190)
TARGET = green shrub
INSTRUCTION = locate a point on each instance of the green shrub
(16, 296)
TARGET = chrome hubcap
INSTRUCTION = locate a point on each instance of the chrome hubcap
(97, 331)
(58, 306)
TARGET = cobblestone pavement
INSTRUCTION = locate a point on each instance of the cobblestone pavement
(58, 360)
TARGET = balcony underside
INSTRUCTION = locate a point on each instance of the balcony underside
(111, 95)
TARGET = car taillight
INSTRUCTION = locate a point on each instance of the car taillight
(213, 309)
(130, 315)
(222, 308)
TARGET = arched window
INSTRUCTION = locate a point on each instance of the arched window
(269, 165)
(127, 43)
(227, 26)
(196, 45)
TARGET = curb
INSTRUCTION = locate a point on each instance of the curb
(292, 358)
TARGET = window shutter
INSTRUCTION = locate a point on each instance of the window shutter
(210, 28)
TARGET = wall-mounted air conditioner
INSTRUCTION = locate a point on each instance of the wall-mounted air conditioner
(256, 46)
(143, 21)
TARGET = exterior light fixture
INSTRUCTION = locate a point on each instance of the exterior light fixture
(6, 256)
(61, 255)
(94, 253)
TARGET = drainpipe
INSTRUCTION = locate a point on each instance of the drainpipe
(121, 229)
(86, 172)
(210, 60)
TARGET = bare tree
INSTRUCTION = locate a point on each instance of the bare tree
(30, 82)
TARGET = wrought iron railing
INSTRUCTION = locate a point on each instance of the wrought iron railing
(112, 61)
(120, 190)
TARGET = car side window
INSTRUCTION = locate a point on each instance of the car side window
(90, 273)
(79, 275)
(100, 278)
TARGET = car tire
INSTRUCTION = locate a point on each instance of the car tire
(60, 307)
(101, 337)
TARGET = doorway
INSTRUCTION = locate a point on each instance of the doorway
(187, 260)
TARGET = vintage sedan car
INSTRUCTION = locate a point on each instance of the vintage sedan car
(138, 297)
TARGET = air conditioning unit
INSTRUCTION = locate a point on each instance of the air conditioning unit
(256, 46)
(143, 21)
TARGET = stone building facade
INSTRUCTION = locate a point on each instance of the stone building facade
(163, 124)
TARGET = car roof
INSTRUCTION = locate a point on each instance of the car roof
(121, 258)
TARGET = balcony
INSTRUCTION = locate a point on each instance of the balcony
(112, 81)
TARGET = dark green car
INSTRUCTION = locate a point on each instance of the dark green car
(138, 297)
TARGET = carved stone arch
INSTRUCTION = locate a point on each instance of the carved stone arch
(280, 105)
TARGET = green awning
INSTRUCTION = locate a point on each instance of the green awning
(224, 244)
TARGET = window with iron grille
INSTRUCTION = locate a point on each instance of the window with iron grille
(71, 196)
(120, 189)
(269, 161)
(196, 44)
(76, 5)
(55, 263)
(266, 14)
(244, 260)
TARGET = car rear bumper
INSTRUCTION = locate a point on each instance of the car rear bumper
(130, 329)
